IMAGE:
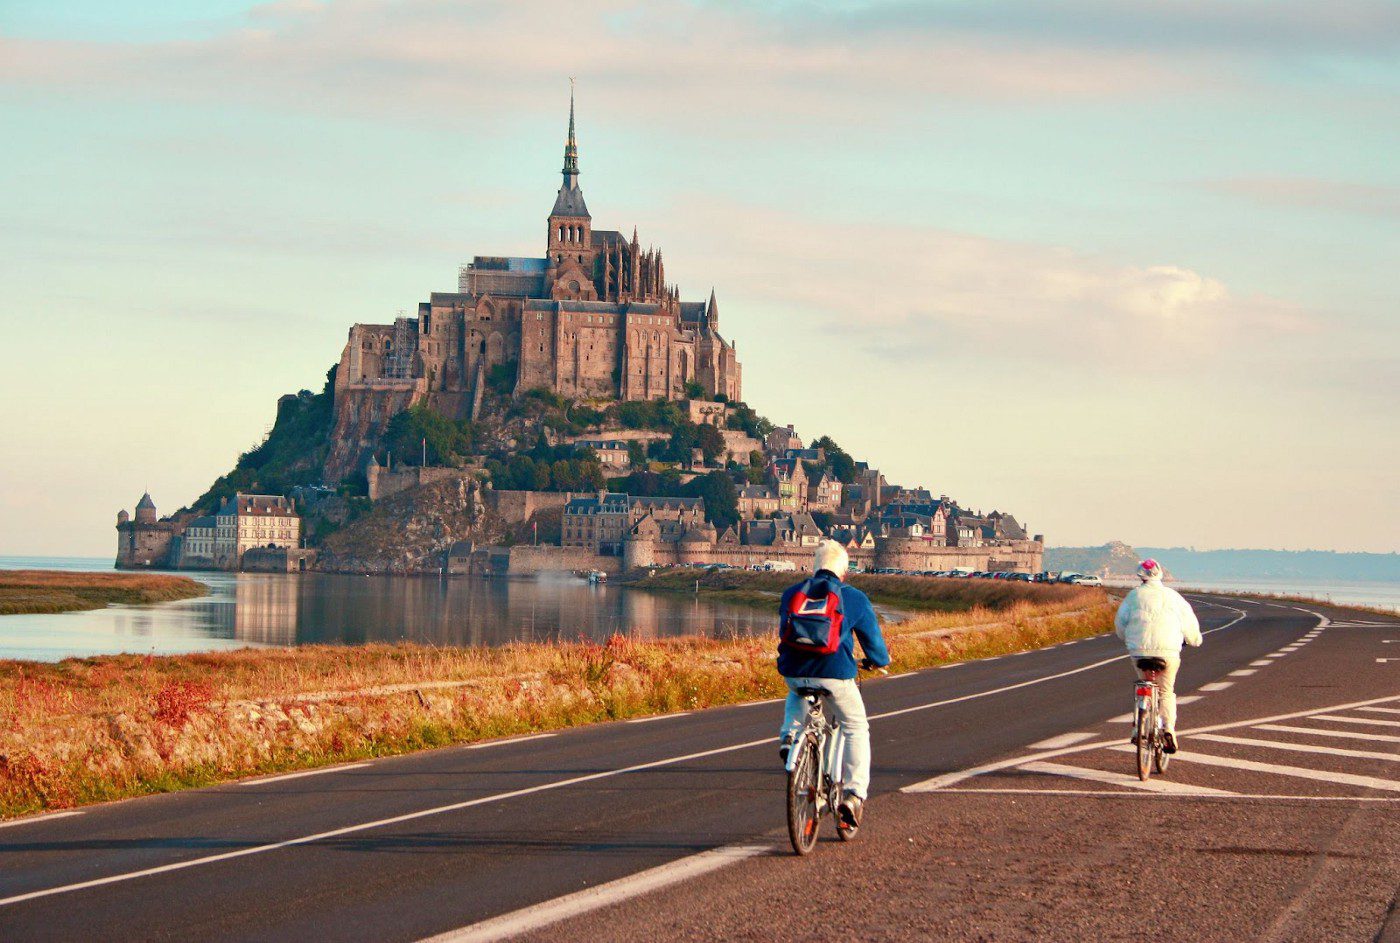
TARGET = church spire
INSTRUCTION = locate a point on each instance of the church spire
(569, 202)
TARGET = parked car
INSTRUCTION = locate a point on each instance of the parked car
(1079, 579)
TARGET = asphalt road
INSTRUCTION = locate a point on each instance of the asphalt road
(1001, 810)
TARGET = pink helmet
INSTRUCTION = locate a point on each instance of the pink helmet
(1149, 569)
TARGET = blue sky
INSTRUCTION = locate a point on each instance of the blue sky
(1125, 269)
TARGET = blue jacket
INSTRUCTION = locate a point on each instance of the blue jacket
(858, 622)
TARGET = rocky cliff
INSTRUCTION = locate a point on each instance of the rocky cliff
(411, 531)
(1114, 558)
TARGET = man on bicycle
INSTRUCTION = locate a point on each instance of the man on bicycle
(835, 672)
(1153, 621)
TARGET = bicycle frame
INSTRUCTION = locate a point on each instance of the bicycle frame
(831, 751)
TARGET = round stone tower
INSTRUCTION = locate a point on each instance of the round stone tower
(146, 510)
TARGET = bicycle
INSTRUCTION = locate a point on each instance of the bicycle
(1149, 733)
(814, 784)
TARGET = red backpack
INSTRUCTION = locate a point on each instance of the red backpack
(812, 624)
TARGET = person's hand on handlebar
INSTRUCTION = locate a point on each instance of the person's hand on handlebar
(867, 665)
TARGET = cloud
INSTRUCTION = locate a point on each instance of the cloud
(914, 292)
(1312, 194)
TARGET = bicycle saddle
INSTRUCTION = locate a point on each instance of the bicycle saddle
(1151, 664)
(814, 692)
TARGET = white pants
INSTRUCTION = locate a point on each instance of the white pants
(849, 708)
(1166, 687)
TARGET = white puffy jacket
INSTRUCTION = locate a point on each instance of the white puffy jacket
(1154, 620)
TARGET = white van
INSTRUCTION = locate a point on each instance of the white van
(779, 566)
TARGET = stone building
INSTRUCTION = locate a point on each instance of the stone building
(198, 545)
(245, 521)
(593, 317)
(602, 521)
(144, 540)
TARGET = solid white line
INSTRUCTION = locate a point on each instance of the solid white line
(30, 819)
(311, 772)
(1148, 795)
(647, 720)
(580, 902)
(1215, 686)
(1299, 747)
(509, 740)
(1243, 673)
(1356, 720)
(1300, 772)
(1063, 740)
(1347, 734)
(1120, 779)
(1381, 710)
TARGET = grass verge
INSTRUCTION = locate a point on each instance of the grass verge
(47, 591)
(95, 729)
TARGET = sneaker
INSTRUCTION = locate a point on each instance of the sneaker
(1134, 738)
(784, 748)
(1169, 744)
(849, 811)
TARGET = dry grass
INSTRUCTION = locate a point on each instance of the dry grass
(93, 729)
(36, 591)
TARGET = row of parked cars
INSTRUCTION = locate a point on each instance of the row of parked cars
(1079, 579)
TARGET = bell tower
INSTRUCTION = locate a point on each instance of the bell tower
(570, 227)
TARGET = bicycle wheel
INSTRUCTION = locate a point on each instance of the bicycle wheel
(1145, 736)
(1160, 756)
(802, 815)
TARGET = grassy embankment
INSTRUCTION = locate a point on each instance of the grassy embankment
(93, 729)
(45, 591)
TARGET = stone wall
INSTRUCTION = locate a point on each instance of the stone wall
(384, 482)
(517, 507)
(278, 560)
(531, 560)
(911, 553)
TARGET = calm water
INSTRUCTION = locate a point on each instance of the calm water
(261, 609)
(1341, 592)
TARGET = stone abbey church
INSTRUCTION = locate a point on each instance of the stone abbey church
(594, 317)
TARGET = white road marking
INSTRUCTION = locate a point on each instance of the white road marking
(30, 819)
(1381, 661)
(1347, 734)
(1260, 663)
(1299, 747)
(1300, 772)
(1120, 779)
(581, 902)
(1381, 710)
(647, 720)
(1216, 686)
(906, 674)
(509, 740)
(1127, 718)
(1243, 673)
(1148, 795)
(1063, 740)
(957, 776)
(1355, 720)
(310, 772)
(1188, 698)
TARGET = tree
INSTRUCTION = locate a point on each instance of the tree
(501, 377)
(720, 496)
(636, 454)
(710, 442)
(743, 417)
(693, 389)
(841, 464)
(447, 440)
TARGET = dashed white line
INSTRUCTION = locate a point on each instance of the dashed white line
(1243, 673)
(1188, 698)
(1216, 686)
(1063, 740)
(310, 772)
(580, 902)
(1260, 663)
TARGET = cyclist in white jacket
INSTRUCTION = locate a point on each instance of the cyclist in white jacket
(1153, 621)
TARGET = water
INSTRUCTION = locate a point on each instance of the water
(1341, 592)
(275, 609)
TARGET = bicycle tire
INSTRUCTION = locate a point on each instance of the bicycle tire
(1160, 756)
(802, 815)
(1145, 736)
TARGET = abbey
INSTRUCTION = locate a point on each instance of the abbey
(594, 317)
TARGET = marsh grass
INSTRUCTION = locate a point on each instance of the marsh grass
(48, 591)
(94, 729)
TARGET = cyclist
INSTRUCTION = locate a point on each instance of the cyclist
(836, 672)
(1153, 621)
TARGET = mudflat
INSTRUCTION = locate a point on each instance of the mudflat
(45, 591)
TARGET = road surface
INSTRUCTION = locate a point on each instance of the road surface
(1002, 810)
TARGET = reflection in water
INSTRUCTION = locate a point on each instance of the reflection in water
(273, 609)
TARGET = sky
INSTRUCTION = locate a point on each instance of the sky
(1124, 269)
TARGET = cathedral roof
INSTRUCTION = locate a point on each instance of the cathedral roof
(569, 202)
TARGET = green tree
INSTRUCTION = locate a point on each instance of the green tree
(636, 454)
(693, 389)
(841, 464)
(710, 442)
(720, 495)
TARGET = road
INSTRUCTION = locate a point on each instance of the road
(1001, 810)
